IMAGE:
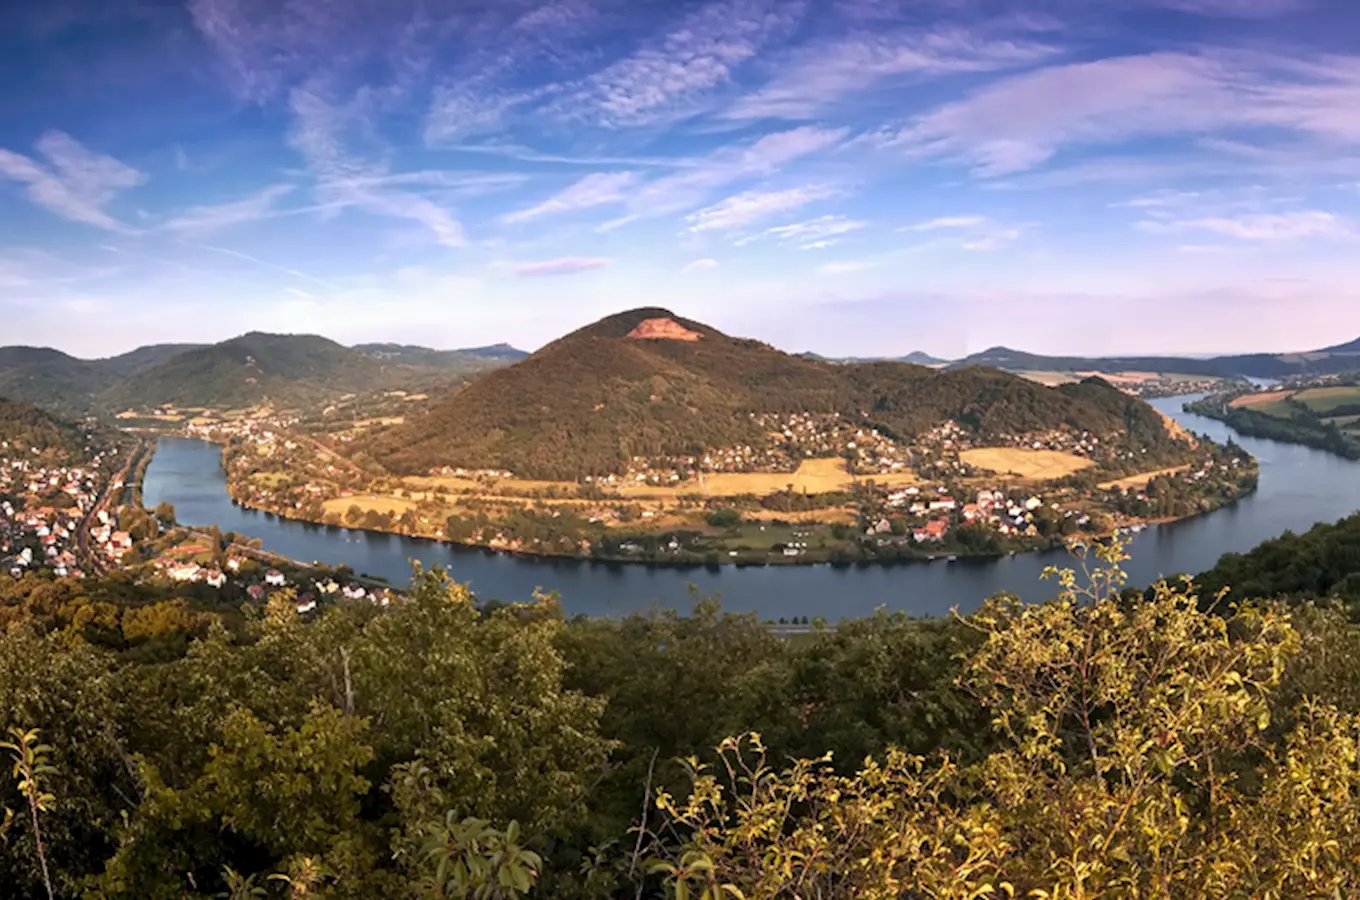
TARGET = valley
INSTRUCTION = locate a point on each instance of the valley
(716, 465)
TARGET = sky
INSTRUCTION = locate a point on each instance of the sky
(852, 177)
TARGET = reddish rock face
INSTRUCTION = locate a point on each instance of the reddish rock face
(663, 330)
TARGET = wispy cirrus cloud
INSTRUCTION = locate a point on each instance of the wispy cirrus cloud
(826, 72)
(223, 215)
(1261, 226)
(685, 189)
(698, 265)
(747, 207)
(813, 234)
(598, 189)
(665, 78)
(946, 222)
(76, 183)
(1238, 9)
(566, 265)
(1020, 122)
(344, 178)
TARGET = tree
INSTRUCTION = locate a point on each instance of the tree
(165, 512)
(1136, 757)
(31, 768)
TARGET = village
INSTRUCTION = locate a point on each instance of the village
(43, 509)
(64, 521)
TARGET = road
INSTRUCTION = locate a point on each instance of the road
(91, 562)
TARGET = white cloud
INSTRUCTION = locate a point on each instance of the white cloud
(201, 219)
(1261, 226)
(697, 178)
(1244, 9)
(994, 240)
(846, 266)
(1022, 121)
(467, 110)
(750, 206)
(78, 184)
(567, 265)
(699, 265)
(345, 179)
(597, 189)
(665, 78)
(814, 231)
(825, 72)
(946, 222)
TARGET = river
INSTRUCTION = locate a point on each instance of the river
(1298, 487)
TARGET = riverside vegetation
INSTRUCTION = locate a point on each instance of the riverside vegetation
(1321, 412)
(1111, 742)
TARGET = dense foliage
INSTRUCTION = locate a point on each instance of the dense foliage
(25, 429)
(53, 380)
(1104, 744)
(589, 402)
(1322, 563)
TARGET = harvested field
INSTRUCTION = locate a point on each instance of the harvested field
(383, 504)
(1034, 465)
(1046, 378)
(1323, 400)
(1260, 398)
(1140, 480)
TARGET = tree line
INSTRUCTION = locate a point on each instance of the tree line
(1109, 742)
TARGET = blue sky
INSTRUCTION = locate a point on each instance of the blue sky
(853, 177)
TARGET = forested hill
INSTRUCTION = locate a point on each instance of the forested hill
(25, 428)
(282, 368)
(647, 382)
(286, 370)
(1321, 563)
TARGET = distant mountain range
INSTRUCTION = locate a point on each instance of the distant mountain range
(916, 357)
(469, 359)
(648, 383)
(1340, 358)
(242, 371)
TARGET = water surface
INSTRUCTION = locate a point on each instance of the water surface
(1299, 486)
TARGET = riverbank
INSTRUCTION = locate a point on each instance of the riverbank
(1300, 426)
(1219, 476)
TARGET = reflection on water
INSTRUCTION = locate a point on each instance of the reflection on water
(1299, 486)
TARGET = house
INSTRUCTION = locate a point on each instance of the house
(214, 577)
(255, 591)
(183, 571)
(274, 578)
(353, 592)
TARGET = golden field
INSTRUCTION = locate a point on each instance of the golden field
(1258, 399)
(1140, 480)
(1033, 465)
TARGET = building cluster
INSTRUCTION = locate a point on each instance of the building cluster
(179, 566)
(932, 512)
(42, 509)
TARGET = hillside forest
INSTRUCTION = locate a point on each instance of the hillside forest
(1173, 742)
(590, 402)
